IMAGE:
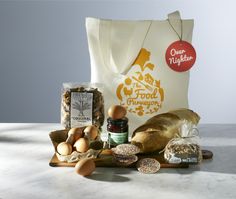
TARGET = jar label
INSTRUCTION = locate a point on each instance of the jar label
(81, 109)
(117, 138)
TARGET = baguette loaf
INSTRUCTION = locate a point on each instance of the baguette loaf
(156, 132)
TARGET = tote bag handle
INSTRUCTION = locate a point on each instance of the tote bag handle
(121, 41)
(176, 24)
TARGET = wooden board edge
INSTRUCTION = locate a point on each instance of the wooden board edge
(54, 162)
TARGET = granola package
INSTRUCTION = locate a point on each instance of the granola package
(82, 105)
(186, 148)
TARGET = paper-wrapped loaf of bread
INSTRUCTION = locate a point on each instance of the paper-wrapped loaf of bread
(156, 132)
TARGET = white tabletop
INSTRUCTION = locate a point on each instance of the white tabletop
(25, 151)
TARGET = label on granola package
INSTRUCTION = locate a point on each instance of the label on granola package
(174, 160)
(81, 109)
(185, 158)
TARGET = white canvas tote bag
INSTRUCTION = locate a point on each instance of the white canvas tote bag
(128, 57)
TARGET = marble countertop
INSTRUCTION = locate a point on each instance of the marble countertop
(25, 151)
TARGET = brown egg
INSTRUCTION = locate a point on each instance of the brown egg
(117, 112)
(82, 145)
(77, 132)
(91, 132)
(64, 148)
(85, 167)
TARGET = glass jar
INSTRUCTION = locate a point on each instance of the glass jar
(118, 131)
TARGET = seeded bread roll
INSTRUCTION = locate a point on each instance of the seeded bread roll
(156, 132)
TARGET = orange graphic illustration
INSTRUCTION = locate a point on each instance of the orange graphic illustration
(140, 92)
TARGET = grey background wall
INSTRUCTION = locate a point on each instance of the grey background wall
(43, 44)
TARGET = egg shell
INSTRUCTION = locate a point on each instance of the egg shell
(85, 167)
(91, 132)
(117, 112)
(64, 148)
(82, 145)
(77, 132)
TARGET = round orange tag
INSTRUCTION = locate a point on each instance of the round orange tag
(180, 56)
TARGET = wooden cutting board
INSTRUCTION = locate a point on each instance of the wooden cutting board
(106, 160)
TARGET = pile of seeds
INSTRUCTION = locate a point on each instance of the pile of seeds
(183, 148)
(125, 154)
(183, 153)
(148, 165)
(126, 149)
(123, 160)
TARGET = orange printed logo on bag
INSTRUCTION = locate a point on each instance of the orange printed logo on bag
(140, 92)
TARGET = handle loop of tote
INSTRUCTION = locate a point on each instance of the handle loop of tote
(174, 15)
(136, 50)
(175, 22)
(111, 48)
